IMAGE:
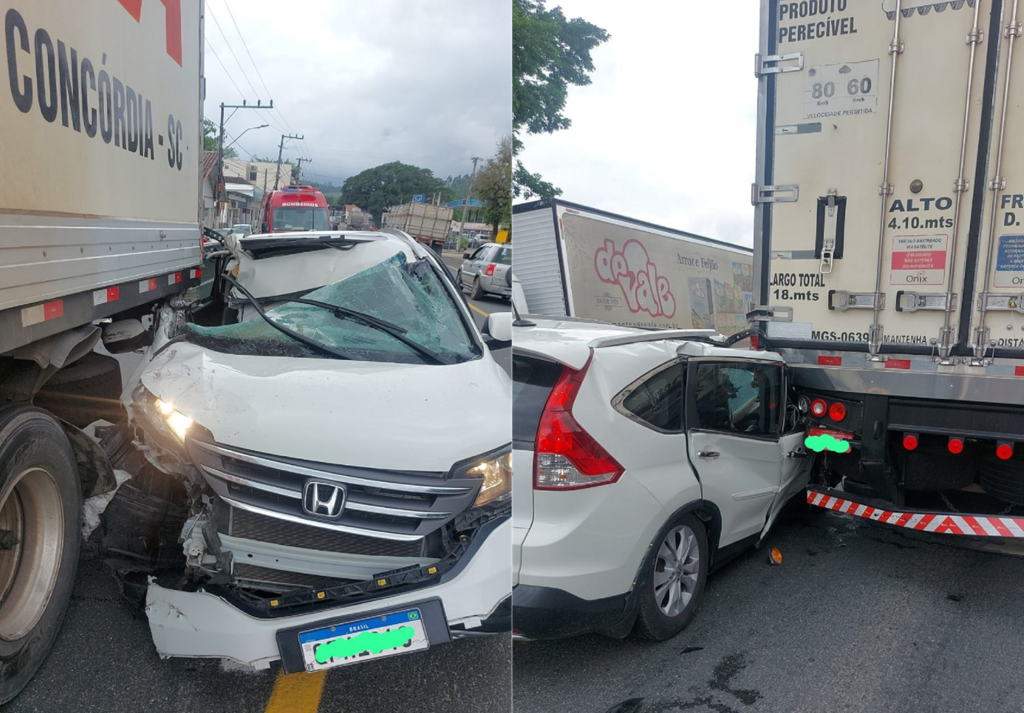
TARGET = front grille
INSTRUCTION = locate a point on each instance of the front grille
(263, 575)
(390, 505)
(252, 526)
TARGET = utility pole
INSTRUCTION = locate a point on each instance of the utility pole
(221, 193)
(465, 210)
(280, 153)
(298, 171)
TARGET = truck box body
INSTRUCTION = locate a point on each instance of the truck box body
(427, 223)
(582, 262)
(938, 229)
(100, 191)
(889, 198)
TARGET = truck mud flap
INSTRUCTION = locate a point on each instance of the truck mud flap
(921, 520)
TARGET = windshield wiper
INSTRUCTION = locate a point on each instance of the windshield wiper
(283, 329)
(369, 320)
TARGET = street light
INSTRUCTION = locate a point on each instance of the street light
(261, 126)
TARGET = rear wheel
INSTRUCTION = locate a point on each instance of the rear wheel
(458, 280)
(675, 580)
(478, 290)
(40, 502)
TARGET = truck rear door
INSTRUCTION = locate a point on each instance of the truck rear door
(876, 147)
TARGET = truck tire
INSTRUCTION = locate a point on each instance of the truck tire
(664, 612)
(478, 291)
(40, 506)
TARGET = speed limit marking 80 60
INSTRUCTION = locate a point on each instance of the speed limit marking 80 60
(847, 89)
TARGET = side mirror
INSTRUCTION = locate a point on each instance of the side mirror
(465, 256)
(497, 330)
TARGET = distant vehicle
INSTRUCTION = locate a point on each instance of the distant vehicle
(584, 262)
(487, 270)
(429, 224)
(295, 208)
(642, 460)
(243, 229)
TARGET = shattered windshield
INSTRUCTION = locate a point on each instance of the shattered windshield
(407, 294)
(300, 219)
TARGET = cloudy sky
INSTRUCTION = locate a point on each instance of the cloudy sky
(666, 132)
(426, 83)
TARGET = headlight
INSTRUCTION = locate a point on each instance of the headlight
(496, 474)
(178, 422)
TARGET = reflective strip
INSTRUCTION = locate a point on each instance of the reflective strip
(102, 297)
(941, 523)
(195, 274)
(147, 285)
(174, 278)
(42, 313)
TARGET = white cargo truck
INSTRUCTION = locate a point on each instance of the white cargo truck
(889, 253)
(99, 220)
(582, 262)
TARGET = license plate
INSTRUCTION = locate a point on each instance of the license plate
(364, 640)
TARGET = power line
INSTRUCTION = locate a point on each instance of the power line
(231, 50)
(226, 72)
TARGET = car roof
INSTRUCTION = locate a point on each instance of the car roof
(569, 341)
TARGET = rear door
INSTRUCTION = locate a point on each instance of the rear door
(734, 419)
(872, 118)
(532, 380)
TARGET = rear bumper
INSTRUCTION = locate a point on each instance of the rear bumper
(202, 625)
(547, 613)
(920, 520)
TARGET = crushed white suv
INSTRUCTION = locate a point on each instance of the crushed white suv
(641, 460)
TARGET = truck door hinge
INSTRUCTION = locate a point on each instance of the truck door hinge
(772, 63)
(975, 36)
(841, 300)
(774, 194)
(910, 301)
(828, 241)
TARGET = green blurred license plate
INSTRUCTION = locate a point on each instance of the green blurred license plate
(364, 640)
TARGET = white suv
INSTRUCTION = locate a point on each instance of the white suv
(641, 460)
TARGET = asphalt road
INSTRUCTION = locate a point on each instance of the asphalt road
(104, 660)
(858, 618)
(486, 305)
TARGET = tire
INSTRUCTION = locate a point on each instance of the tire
(38, 476)
(458, 280)
(660, 616)
(478, 291)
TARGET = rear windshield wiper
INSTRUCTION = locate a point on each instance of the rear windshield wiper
(369, 320)
(285, 330)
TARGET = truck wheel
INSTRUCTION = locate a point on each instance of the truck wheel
(40, 506)
(675, 580)
(478, 291)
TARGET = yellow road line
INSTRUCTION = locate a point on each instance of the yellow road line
(477, 309)
(296, 692)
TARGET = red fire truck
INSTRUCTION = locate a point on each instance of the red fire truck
(294, 208)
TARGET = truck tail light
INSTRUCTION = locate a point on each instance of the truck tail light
(490, 270)
(753, 342)
(1004, 450)
(837, 412)
(566, 456)
(955, 445)
(910, 441)
(818, 408)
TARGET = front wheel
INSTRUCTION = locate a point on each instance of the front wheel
(40, 505)
(675, 580)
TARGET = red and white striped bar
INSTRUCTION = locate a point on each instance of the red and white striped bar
(943, 523)
(42, 313)
(104, 296)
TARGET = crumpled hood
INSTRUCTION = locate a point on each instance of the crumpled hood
(366, 414)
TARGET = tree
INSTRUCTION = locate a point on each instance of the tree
(377, 189)
(210, 140)
(494, 185)
(549, 53)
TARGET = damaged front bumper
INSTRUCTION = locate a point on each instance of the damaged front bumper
(205, 625)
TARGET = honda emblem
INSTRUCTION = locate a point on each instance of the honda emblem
(323, 499)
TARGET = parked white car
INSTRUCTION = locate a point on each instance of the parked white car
(306, 411)
(641, 460)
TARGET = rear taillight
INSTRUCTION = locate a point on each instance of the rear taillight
(490, 270)
(819, 408)
(566, 456)
(1004, 450)
(837, 412)
(955, 445)
(910, 441)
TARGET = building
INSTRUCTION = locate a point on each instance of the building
(258, 173)
(243, 197)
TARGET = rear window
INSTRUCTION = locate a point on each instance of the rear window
(502, 256)
(658, 399)
(532, 381)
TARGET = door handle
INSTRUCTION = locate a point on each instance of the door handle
(797, 454)
(708, 454)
